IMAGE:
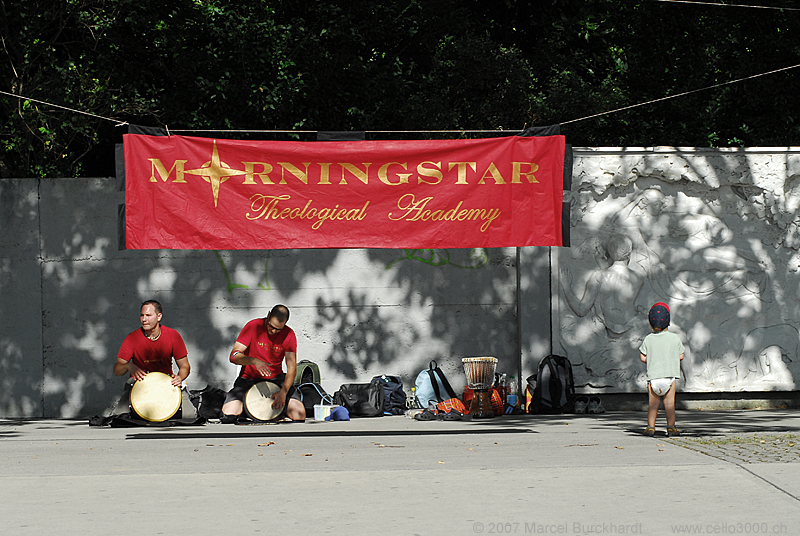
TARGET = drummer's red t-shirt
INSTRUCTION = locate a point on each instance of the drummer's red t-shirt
(153, 356)
(271, 350)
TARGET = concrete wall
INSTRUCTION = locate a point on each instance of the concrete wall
(715, 233)
(21, 356)
(712, 232)
(70, 295)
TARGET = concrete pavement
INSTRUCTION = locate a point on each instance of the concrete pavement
(732, 472)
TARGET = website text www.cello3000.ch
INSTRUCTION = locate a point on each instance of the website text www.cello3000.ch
(730, 528)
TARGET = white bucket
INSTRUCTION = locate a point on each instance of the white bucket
(321, 411)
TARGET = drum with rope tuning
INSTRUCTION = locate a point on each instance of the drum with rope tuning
(480, 375)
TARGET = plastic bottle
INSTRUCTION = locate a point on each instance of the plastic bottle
(503, 387)
(512, 392)
(412, 402)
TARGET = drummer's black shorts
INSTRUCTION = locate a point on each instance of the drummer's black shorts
(242, 385)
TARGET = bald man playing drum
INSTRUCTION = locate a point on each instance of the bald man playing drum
(262, 348)
(152, 348)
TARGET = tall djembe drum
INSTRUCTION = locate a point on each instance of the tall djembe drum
(480, 375)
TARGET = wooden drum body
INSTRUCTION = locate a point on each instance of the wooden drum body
(154, 398)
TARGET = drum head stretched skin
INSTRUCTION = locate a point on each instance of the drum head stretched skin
(479, 371)
(258, 401)
(154, 398)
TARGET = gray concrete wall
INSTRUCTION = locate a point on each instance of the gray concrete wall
(21, 365)
(70, 295)
(712, 232)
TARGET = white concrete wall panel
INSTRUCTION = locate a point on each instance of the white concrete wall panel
(714, 234)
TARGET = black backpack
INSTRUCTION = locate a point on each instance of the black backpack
(312, 394)
(208, 402)
(553, 387)
(394, 401)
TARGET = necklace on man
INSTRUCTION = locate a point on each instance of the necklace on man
(154, 337)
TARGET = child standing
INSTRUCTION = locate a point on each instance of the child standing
(662, 351)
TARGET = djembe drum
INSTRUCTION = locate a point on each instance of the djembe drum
(258, 401)
(480, 375)
(154, 398)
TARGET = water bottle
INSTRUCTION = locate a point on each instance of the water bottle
(512, 392)
(411, 401)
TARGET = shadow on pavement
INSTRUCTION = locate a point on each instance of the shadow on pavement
(331, 433)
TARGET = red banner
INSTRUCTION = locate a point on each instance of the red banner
(202, 193)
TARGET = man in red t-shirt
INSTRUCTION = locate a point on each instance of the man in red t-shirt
(261, 348)
(152, 349)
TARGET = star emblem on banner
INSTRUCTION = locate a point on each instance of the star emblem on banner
(215, 172)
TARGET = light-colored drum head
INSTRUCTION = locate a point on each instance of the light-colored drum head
(154, 398)
(258, 401)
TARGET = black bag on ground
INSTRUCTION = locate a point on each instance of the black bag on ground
(361, 399)
(131, 420)
(312, 394)
(208, 402)
(552, 386)
(394, 400)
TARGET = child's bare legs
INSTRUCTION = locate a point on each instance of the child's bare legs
(669, 405)
(652, 409)
(655, 402)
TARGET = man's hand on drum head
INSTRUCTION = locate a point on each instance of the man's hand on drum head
(136, 372)
(176, 380)
(279, 399)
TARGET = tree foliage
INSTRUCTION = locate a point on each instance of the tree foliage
(407, 65)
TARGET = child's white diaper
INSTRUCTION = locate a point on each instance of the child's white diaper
(660, 386)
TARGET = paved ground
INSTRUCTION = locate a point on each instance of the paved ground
(733, 472)
(760, 447)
